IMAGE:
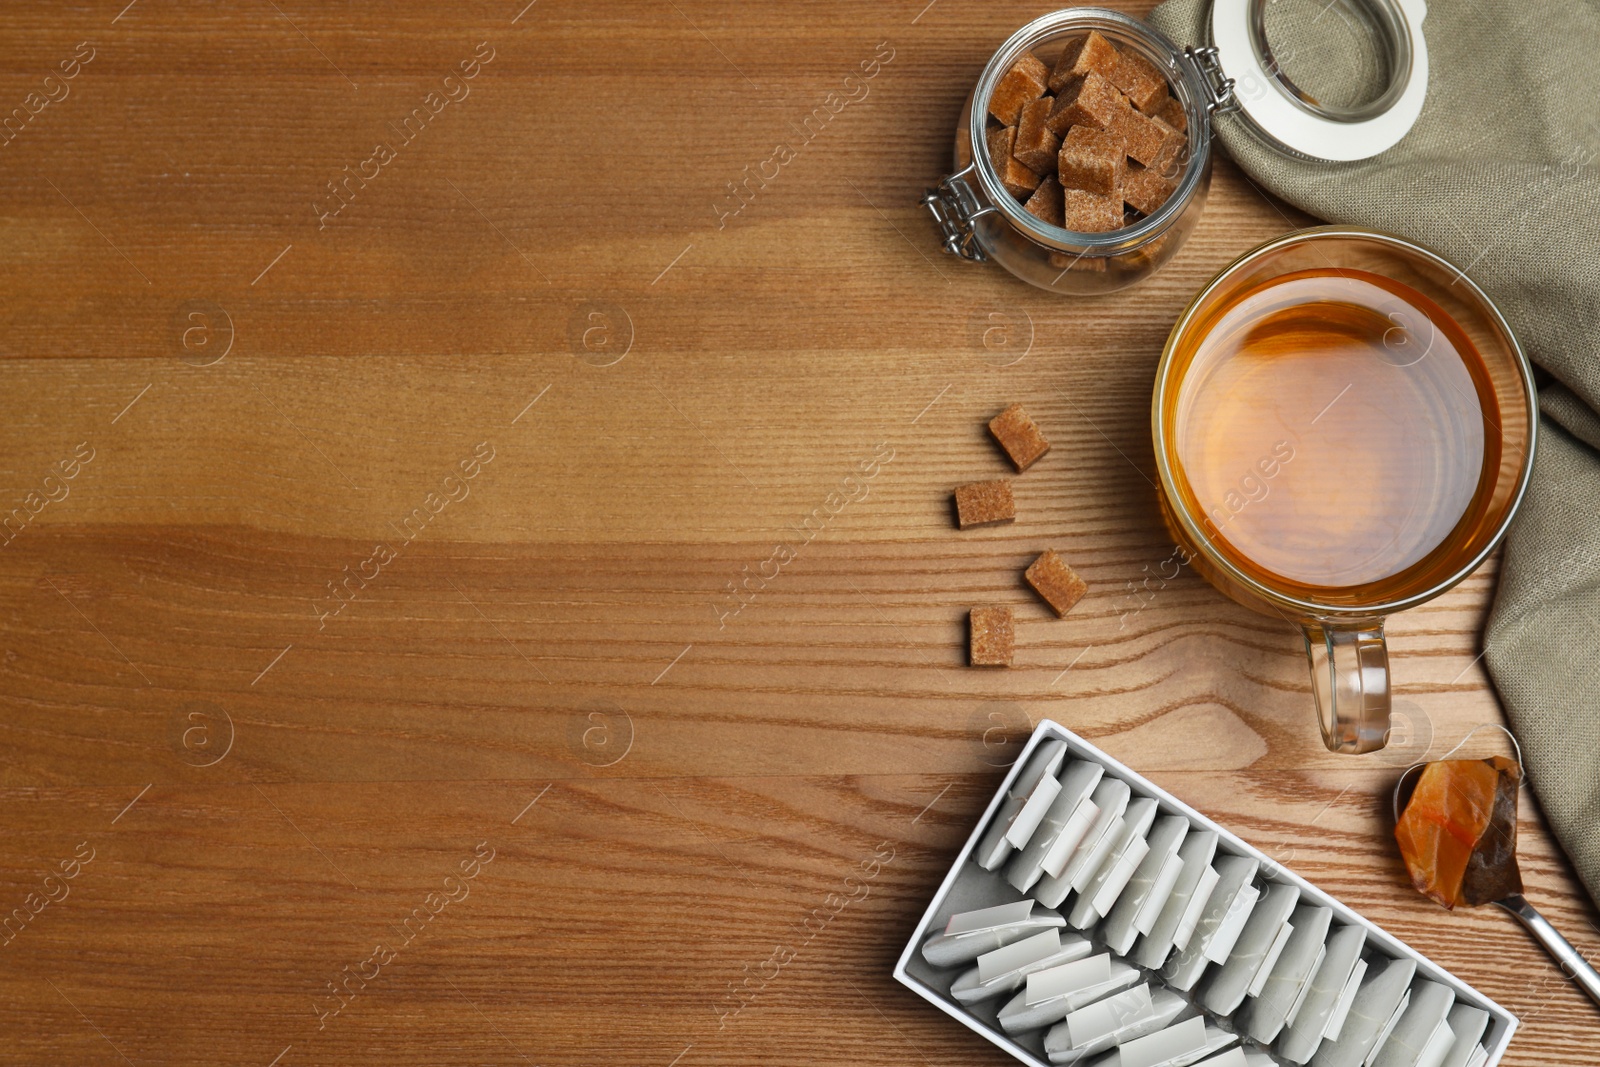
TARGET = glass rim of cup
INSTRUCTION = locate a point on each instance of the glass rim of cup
(1202, 542)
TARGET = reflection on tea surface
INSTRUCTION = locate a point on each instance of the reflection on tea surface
(1333, 430)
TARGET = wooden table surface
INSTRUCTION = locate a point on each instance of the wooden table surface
(433, 529)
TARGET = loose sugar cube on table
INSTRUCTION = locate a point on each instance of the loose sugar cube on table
(1058, 583)
(992, 637)
(1019, 435)
(985, 503)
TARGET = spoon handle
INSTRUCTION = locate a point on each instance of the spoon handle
(1573, 965)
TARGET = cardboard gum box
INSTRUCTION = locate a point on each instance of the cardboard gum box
(968, 887)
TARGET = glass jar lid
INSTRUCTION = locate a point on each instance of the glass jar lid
(1313, 125)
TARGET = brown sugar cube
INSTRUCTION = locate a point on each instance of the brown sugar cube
(1022, 83)
(1052, 579)
(985, 503)
(992, 637)
(1090, 101)
(1019, 435)
(1018, 180)
(1171, 112)
(1086, 212)
(1081, 56)
(1035, 147)
(1045, 204)
(1092, 160)
(1139, 80)
(1000, 139)
(1173, 154)
(1067, 261)
(1152, 251)
(1145, 190)
(1145, 257)
(1148, 139)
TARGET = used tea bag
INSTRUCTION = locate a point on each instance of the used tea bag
(1458, 838)
(1458, 833)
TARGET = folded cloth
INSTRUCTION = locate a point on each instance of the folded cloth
(1501, 175)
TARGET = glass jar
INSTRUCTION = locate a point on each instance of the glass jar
(1237, 72)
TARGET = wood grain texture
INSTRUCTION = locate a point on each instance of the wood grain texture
(550, 668)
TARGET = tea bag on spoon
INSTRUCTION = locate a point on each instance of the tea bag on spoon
(1458, 832)
(1458, 838)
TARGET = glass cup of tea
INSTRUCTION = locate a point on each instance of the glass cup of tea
(1344, 427)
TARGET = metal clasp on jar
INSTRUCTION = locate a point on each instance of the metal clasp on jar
(954, 207)
(1220, 98)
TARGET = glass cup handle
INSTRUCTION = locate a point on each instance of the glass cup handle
(1350, 679)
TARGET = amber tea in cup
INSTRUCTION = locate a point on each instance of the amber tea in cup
(1344, 426)
(1334, 431)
